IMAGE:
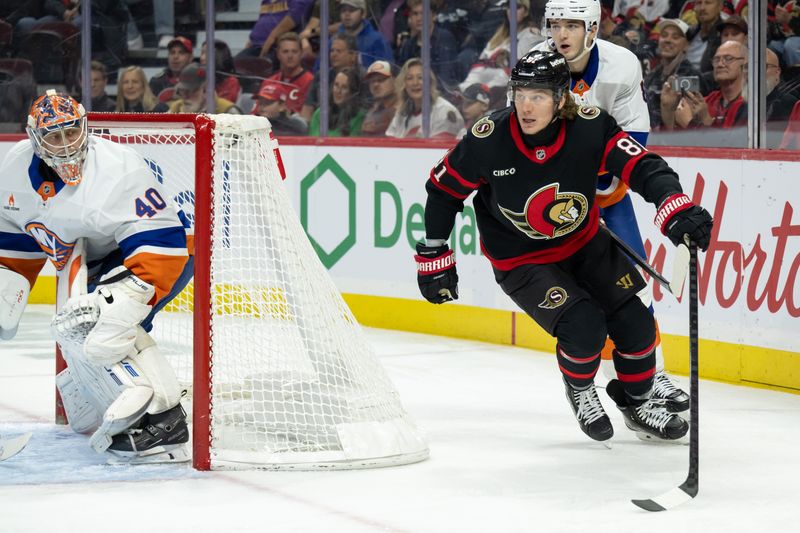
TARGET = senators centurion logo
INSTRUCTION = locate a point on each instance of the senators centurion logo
(483, 128)
(555, 297)
(549, 213)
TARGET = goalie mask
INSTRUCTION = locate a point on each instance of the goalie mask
(57, 130)
(586, 11)
(540, 69)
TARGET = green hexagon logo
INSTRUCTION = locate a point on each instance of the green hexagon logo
(329, 164)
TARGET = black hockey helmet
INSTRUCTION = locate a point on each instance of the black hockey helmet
(540, 69)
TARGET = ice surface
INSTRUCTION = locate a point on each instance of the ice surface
(506, 455)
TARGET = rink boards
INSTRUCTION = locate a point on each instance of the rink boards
(361, 204)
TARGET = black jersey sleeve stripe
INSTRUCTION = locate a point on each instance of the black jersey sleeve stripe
(441, 186)
(453, 172)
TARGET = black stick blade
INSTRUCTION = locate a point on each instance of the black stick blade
(666, 501)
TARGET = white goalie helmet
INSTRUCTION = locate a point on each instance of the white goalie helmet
(58, 131)
(587, 11)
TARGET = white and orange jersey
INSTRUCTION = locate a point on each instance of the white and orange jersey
(118, 205)
(613, 82)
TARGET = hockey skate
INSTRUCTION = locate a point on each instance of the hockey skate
(649, 419)
(590, 413)
(157, 438)
(675, 399)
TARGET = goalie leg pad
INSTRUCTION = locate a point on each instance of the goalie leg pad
(14, 291)
(123, 413)
(155, 367)
(82, 414)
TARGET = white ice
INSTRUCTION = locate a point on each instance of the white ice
(506, 455)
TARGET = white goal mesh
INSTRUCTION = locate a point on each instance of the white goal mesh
(292, 381)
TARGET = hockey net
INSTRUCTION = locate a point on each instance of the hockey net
(279, 372)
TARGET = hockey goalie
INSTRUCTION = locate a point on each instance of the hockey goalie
(119, 245)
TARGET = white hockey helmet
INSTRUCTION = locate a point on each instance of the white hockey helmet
(587, 11)
(58, 131)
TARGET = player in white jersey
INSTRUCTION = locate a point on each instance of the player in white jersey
(610, 77)
(66, 195)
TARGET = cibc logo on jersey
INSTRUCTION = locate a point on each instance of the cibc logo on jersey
(549, 213)
(57, 250)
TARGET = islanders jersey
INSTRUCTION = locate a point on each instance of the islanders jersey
(118, 207)
(613, 82)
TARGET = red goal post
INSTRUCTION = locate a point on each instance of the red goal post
(279, 372)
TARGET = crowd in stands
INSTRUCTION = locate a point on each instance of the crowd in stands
(693, 53)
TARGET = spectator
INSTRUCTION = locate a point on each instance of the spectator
(783, 30)
(371, 44)
(16, 96)
(191, 91)
(474, 104)
(163, 20)
(291, 73)
(607, 24)
(671, 55)
(723, 108)
(384, 100)
(276, 18)
(492, 67)
(471, 22)
(101, 102)
(780, 100)
(28, 15)
(108, 35)
(134, 94)
(271, 102)
(733, 28)
(703, 37)
(346, 111)
(649, 10)
(179, 55)
(445, 120)
(343, 54)
(227, 84)
(443, 45)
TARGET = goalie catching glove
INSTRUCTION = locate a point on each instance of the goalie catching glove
(436, 273)
(108, 318)
(678, 217)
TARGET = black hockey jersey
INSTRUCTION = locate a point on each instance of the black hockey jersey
(537, 205)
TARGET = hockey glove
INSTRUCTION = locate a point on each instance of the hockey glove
(436, 273)
(678, 216)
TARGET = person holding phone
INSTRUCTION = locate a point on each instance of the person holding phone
(723, 108)
(672, 61)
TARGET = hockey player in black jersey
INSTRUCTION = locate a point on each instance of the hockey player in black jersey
(534, 167)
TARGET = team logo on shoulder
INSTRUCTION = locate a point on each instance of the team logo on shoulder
(555, 297)
(483, 128)
(549, 213)
(589, 111)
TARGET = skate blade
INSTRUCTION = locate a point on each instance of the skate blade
(646, 437)
(173, 453)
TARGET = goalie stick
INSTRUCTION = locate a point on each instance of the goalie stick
(680, 265)
(11, 447)
(689, 488)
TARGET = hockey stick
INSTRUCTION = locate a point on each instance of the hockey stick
(689, 488)
(679, 265)
(11, 447)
